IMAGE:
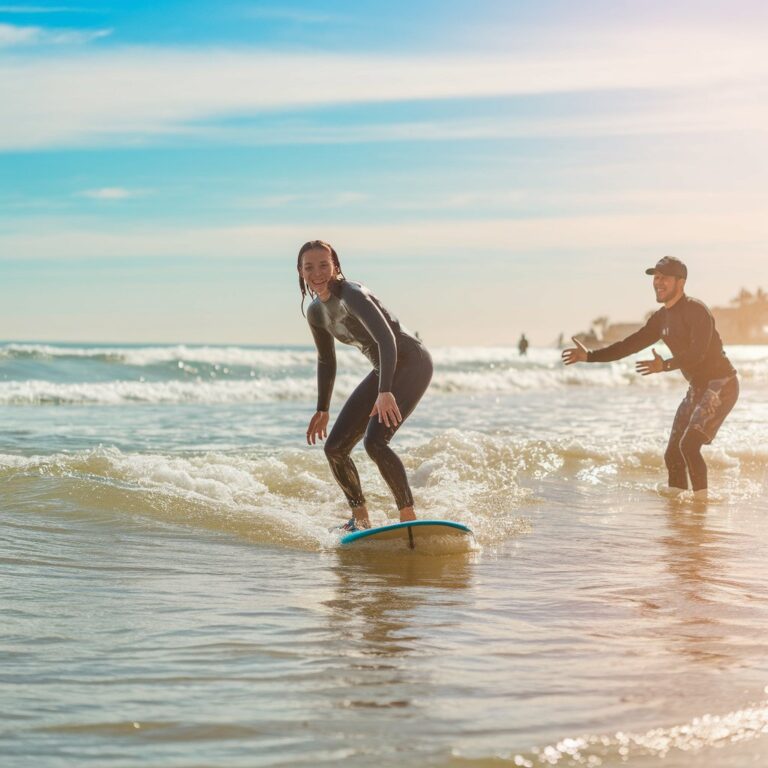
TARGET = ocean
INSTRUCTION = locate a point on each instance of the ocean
(171, 594)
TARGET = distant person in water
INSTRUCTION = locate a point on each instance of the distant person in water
(687, 327)
(522, 345)
(402, 370)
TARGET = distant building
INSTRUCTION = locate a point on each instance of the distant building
(618, 331)
(602, 333)
(746, 322)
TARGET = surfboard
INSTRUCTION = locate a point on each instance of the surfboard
(414, 535)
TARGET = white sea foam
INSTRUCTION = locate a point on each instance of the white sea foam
(232, 356)
(34, 392)
(752, 361)
(288, 497)
(517, 379)
(702, 733)
(222, 388)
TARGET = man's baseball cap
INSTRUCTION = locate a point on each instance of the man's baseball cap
(670, 266)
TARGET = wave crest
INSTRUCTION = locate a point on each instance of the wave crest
(289, 498)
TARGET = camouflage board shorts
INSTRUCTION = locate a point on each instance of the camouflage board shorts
(705, 408)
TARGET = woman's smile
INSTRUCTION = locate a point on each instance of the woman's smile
(317, 270)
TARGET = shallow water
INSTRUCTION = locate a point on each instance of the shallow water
(171, 594)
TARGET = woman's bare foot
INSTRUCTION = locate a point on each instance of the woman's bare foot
(407, 514)
(361, 517)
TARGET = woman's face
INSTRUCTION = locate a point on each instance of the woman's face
(318, 269)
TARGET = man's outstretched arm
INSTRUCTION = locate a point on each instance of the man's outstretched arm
(647, 335)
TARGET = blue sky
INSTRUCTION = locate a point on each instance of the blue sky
(487, 168)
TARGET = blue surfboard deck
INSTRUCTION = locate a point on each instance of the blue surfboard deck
(410, 534)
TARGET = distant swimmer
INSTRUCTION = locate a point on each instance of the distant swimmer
(402, 370)
(687, 327)
(522, 345)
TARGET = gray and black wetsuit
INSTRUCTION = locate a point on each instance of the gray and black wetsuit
(401, 365)
(688, 329)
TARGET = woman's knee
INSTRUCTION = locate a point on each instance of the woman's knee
(375, 444)
(335, 451)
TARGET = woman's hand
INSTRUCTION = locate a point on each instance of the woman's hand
(386, 409)
(318, 427)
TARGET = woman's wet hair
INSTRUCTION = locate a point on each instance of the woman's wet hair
(308, 246)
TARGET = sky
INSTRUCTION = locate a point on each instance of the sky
(486, 168)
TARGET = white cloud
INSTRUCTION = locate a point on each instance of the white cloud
(731, 231)
(574, 200)
(294, 16)
(704, 111)
(114, 97)
(74, 36)
(334, 200)
(30, 9)
(14, 35)
(111, 193)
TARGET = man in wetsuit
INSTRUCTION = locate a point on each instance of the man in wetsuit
(687, 327)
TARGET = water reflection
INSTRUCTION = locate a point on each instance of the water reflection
(696, 555)
(406, 569)
(387, 615)
(380, 597)
(694, 551)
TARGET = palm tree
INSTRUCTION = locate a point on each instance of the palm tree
(744, 299)
(761, 308)
(752, 312)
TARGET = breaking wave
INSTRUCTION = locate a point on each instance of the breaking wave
(288, 497)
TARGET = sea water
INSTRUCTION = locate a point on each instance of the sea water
(171, 594)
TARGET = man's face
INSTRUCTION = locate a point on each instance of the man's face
(666, 287)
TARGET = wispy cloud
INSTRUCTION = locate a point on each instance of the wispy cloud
(111, 193)
(129, 95)
(731, 231)
(291, 15)
(334, 200)
(38, 9)
(14, 35)
(700, 112)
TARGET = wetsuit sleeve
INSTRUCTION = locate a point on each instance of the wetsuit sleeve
(647, 335)
(326, 366)
(702, 326)
(365, 310)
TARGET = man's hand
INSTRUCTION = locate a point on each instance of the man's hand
(577, 354)
(645, 367)
(386, 409)
(318, 427)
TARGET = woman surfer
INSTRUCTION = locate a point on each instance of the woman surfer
(402, 369)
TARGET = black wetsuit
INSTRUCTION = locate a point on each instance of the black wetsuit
(688, 329)
(401, 365)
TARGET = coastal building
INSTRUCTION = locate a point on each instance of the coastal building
(744, 322)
